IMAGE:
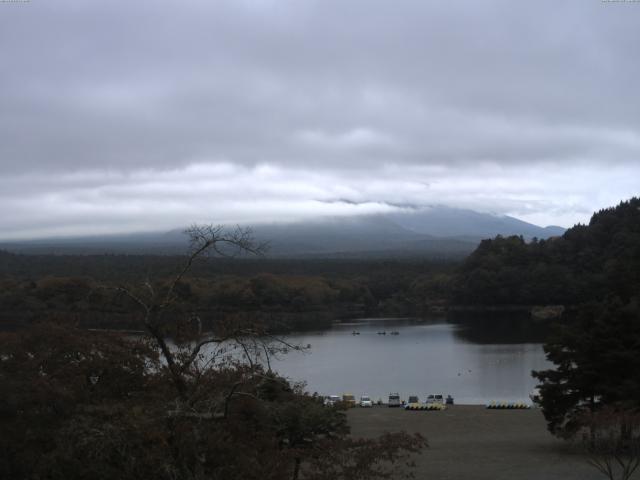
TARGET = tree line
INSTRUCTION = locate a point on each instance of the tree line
(300, 295)
(588, 262)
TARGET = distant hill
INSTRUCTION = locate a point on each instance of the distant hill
(432, 232)
(588, 262)
(455, 222)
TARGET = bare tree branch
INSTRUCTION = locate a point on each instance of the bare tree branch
(196, 350)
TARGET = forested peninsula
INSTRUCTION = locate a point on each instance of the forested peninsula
(589, 262)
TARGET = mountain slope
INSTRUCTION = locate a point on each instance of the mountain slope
(443, 221)
(436, 231)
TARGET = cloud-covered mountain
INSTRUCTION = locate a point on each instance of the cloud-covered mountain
(436, 231)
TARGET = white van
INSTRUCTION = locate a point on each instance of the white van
(394, 400)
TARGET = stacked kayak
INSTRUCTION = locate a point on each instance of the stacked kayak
(508, 405)
(424, 406)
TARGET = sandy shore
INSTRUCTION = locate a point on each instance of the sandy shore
(471, 442)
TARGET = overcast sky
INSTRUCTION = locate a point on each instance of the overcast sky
(121, 116)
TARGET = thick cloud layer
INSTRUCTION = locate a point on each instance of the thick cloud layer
(119, 116)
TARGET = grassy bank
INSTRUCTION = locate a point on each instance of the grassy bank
(471, 442)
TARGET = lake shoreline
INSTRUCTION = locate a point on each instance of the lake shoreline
(377, 357)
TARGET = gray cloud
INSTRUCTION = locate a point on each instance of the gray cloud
(129, 115)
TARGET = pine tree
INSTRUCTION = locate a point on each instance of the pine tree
(597, 363)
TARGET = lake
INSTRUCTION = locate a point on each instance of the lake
(424, 357)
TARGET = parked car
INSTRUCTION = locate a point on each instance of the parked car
(394, 400)
(366, 402)
(349, 399)
(438, 398)
(332, 400)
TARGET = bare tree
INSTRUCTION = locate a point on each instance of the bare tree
(182, 341)
(612, 442)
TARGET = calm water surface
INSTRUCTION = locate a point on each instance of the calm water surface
(423, 358)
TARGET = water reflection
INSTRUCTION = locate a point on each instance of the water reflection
(425, 357)
(499, 328)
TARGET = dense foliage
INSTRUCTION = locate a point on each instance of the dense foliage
(596, 352)
(283, 294)
(80, 405)
(588, 262)
(186, 399)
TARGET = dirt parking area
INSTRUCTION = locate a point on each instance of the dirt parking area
(471, 442)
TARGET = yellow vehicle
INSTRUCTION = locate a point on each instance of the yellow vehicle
(349, 399)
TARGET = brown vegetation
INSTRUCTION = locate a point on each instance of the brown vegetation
(76, 404)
